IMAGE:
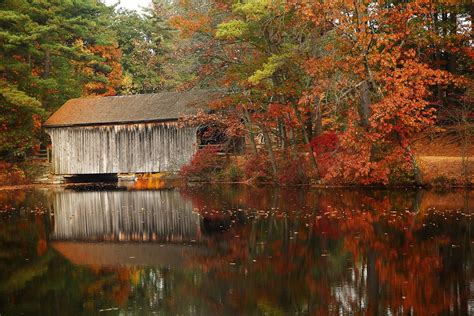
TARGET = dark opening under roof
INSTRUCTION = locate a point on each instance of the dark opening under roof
(165, 106)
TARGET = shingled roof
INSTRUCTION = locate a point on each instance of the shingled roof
(165, 106)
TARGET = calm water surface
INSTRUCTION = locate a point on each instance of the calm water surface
(236, 251)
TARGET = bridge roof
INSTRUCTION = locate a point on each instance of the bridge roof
(140, 108)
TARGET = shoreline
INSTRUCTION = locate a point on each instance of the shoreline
(32, 186)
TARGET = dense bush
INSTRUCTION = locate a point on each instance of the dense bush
(294, 169)
(324, 147)
(11, 174)
(233, 173)
(203, 165)
(257, 168)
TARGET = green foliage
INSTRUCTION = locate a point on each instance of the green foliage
(231, 173)
(269, 68)
(235, 173)
(253, 9)
(142, 40)
(45, 60)
(150, 49)
(11, 95)
(231, 30)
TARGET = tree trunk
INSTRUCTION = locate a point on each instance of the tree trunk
(47, 64)
(416, 168)
(291, 134)
(364, 104)
(307, 141)
(471, 13)
(465, 133)
(452, 60)
(318, 119)
(268, 143)
(282, 133)
(309, 127)
(248, 123)
(437, 56)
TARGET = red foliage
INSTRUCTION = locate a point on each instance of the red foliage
(203, 163)
(324, 143)
(257, 167)
(324, 146)
(293, 169)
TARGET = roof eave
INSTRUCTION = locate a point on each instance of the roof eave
(46, 125)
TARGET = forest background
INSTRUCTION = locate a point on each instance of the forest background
(335, 91)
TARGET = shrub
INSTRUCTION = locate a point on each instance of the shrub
(203, 165)
(293, 169)
(257, 168)
(443, 181)
(324, 147)
(233, 173)
(11, 174)
(324, 143)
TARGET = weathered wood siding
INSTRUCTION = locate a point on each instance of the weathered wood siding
(162, 215)
(128, 148)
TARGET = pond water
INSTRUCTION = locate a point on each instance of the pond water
(236, 250)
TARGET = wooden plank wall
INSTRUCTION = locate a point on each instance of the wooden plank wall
(161, 215)
(128, 148)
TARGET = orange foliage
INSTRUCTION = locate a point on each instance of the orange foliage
(400, 83)
(190, 24)
(111, 55)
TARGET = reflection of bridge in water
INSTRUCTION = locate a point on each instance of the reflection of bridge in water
(162, 215)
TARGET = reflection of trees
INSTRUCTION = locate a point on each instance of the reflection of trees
(21, 242)
(343, 251)
(171, 292)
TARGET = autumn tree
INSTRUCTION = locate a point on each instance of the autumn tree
(361, 70)
(44, 48)
(252, 48)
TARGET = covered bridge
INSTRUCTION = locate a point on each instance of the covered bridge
(125, 134)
